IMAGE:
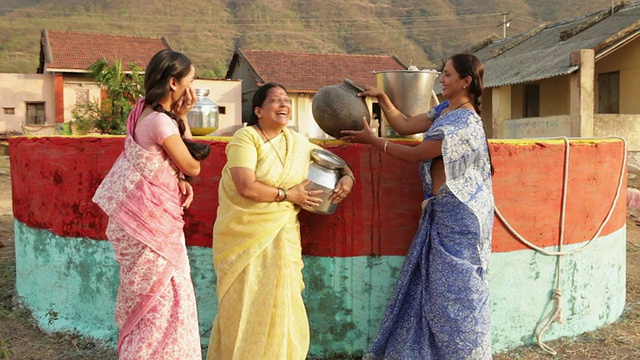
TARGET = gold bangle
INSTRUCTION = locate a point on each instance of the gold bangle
(385, 146)
(280, 195)
(286, 195)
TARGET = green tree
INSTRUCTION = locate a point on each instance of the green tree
(122, 90)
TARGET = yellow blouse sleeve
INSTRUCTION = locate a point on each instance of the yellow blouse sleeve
(242, 151)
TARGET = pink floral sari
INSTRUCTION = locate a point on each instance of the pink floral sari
(156, 307)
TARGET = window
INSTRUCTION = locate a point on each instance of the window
(82, 96)
(9, 111)
(609, 93)
(222, 110)
(532, 100)
(35, 113)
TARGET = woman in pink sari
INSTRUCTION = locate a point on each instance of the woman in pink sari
(144, 195)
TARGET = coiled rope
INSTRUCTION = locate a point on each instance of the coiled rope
(556, 312)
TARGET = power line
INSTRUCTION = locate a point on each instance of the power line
(275, 31)
(226, 19)
(372, 31)
(528, 19)
(258, 23)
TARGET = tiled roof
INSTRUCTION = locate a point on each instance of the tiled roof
(75, 52)
(307, 72)
(544, 53)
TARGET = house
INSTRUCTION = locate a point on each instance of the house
(62, 80)
(23, 100)
(578, 77)
(303, 74)
(66, 56)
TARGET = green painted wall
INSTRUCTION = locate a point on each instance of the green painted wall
(70, 284)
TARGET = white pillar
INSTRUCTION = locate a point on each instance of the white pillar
(500, 110)
(582, 93)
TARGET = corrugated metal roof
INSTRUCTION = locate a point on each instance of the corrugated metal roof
(547, 53)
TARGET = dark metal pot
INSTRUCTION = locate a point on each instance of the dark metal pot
(338, 107)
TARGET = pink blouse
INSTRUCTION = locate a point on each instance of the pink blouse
(153, 129)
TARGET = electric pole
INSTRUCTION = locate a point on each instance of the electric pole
(505, 24)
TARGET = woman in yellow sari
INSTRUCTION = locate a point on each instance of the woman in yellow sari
(256, 237)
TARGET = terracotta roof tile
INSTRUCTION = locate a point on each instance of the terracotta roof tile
(77, 51)
(310, 72)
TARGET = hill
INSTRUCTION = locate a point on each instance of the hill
(420, 33)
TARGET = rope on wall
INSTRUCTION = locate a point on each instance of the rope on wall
(556, 312)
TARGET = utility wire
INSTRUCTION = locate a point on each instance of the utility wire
(252, 19)
(291, 32)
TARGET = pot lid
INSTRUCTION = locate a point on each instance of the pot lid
(327, 159)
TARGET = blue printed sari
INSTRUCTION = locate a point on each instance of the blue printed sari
(439, 308)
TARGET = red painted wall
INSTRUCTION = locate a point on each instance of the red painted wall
(53, 180)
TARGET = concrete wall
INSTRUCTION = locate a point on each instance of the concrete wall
(227, 93)
(244, 73)
(74, 86)
(18, 89)
(303, 116)
(626, 126)
(551, 126)
(352, 258)
(554, 97)
(626, 60)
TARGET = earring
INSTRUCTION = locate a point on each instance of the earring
(464, 87)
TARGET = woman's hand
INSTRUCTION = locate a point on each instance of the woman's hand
(342, 189)
(370, 91)
(299, 195)
(187, 192)
(185, 103)
(364, 136)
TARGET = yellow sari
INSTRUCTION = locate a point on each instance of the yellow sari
(257, 255)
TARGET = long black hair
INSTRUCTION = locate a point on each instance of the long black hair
(258, 100)
(470, 65)
(163, 66)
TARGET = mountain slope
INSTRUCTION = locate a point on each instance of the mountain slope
(418, 32)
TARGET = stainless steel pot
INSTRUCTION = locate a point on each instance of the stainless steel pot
(324, 172)
(410, 91)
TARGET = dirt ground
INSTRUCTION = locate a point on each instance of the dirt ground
(21, 339)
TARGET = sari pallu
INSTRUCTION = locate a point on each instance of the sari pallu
(155, 309)
(439, 308)
(258, 261)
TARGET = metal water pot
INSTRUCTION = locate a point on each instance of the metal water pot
(410, 91)
(203, 117)
(324, 172)
(338, 107)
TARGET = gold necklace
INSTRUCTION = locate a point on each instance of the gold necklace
(272, 146)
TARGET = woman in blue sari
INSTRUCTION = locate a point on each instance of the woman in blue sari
(439, 308)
